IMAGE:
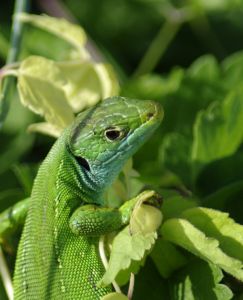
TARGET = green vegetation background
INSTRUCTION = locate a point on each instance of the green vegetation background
(196, 153)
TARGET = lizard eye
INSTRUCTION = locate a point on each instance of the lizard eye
(113, 134)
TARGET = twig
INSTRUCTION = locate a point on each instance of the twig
(6, 278)
(174, 18)
(105, 262)
(131, 286)
(157, 48)
(15, 43)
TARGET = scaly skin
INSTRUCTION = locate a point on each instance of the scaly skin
(58, 253)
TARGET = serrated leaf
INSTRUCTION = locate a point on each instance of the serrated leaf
(73, 34)
(40, 88)
(126, 247)
(219, 225)
(88, 83)
(132, 242)
(115, 296)
(218, 130)
(184, 234)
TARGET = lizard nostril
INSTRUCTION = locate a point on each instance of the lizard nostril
(150, 115)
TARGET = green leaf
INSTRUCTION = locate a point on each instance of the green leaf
(205, 68)
(73, 34)
(213, 176)
(16, 147)
(40, 85)
(174, 154)
(220, 226)
(167, 258)
(175, 205)
(126, 247)
(233, 70)
(219, 198)
(145, 219)
(114, 296)
(184, 234)
(134, 240)
(199, 280)
(88, 83)
(218, 130)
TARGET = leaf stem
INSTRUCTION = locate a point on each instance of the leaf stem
(174, 18)
(15, 43)
(6, 278)
(105, 261)
(158, 47)
(131, 286)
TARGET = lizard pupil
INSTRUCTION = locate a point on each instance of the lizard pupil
(112, 134)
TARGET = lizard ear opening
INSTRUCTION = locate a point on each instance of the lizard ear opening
(83, 162)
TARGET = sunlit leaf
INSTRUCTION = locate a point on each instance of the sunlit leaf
(114, 296)
(132, 242)
(45, 128)
(184, 234)
(88, 83)
(219, 225)
(39, 86)
(126, 247)
(73, 34)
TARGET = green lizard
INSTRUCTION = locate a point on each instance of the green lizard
(58, 254)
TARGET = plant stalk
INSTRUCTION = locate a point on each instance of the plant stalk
(158, 47)
(5, 274)
(15, 44)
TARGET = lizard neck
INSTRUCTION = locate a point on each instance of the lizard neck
(72, 179)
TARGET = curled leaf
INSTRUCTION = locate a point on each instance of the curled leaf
(73, 34)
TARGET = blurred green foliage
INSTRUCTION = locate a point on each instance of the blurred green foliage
(196, 156)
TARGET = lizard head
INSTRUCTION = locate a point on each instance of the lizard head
(103, 137)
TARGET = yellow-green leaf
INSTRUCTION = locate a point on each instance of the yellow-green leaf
(40, 85)
(115, 296)
(184, 234)
(73, 34)
(134, 240)
(220, 226)
(45, 128)
(88, 83)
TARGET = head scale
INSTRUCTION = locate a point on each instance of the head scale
(103, 137)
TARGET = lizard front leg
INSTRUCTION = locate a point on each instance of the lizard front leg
(93, 220)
